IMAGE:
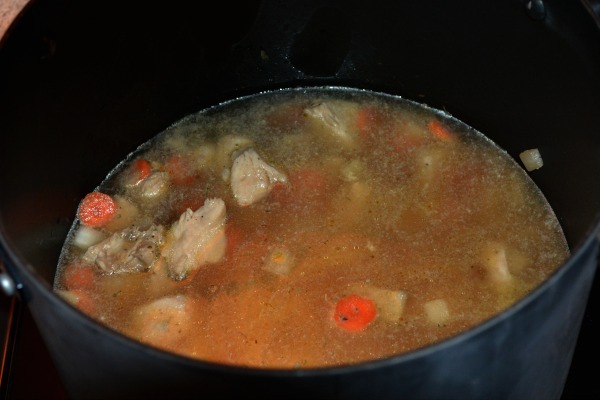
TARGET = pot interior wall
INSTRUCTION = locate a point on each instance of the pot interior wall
(82, 85)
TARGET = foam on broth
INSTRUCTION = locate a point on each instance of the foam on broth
(376, 196)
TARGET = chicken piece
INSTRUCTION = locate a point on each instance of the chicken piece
(132, 249)
(335, 118)
(196, 239)
(390, 303)
(252, 179)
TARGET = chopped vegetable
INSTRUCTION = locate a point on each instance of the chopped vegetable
(532, 159)
(354, 313)
(139, 170)
(368, 120)
(80, 299)
(495, 262)
(390, 303)
(96, 209)
(437, 311)
(279, 261)
(86, 236)
(142, 167)
(180, 170)
(439, 131)
(154, 185)
(79, 277)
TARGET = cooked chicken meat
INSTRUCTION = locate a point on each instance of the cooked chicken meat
(132, 249)
(196, 239)
(334, 118)
(252, 178)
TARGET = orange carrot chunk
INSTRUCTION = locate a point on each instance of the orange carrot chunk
(142, 168)
(79, 277)
(96, 209)
(180, 170)
(354, 313)
(139, 170)
(439, 130)
(367, 120)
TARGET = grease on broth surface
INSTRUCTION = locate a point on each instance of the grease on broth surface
(309, 228)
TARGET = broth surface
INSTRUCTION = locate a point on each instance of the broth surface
(239, 232)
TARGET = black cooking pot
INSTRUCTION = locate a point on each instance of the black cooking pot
(83, 83)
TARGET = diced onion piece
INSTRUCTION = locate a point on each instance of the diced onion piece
(532, 159)
(86, 236)
(496, 263)
(279, 261)
(69, 296)
(154, 185)
(390, 303)
(437, 311)
(81, 300)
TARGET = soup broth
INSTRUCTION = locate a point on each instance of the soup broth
(308, 228)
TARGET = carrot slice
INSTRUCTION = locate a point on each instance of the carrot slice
(139, 170)
(142, 168)
(439, 131)
(354, 313)
(368, 119)
(83, 301)
(79, 277)
(96, 209)
(180, 170)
